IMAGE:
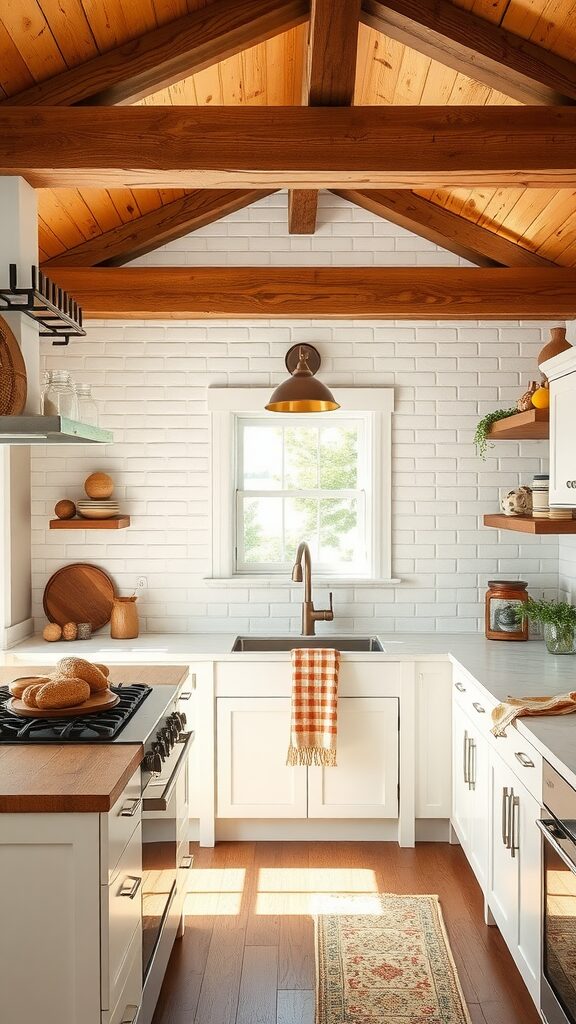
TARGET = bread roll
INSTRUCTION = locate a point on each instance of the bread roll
(17, 686)
(77, 668)
(30, 694)
(62, 693)
(103, 668)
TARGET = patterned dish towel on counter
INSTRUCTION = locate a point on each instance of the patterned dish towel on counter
(517, 707)
(314, 707)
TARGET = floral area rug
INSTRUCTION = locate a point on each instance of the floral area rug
(390, 967)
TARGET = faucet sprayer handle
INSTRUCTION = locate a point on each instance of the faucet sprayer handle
(330, 613)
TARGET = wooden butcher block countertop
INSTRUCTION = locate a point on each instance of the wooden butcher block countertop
(52, 777)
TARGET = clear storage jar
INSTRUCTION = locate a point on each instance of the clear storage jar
(58, 396)
(87, 408)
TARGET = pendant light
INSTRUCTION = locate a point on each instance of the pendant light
(302, 392)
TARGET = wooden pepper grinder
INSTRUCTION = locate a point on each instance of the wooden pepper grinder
(124, 618)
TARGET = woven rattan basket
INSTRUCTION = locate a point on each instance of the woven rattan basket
(13, 384)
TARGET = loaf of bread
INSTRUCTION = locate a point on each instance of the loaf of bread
(30, 694)
(62, 693)
(17, 686)
(77, 668)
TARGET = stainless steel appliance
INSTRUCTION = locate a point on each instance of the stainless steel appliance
(558, 983)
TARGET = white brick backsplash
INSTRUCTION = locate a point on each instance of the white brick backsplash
(150, 380)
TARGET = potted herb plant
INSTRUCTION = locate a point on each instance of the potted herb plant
(559, 621)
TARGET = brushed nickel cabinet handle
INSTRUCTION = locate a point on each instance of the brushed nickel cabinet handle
(514, 836)
(466, 778)
(505, 837)
(187, 862)
(128, 810)
(130, 890)
(525, 761)
(478, 707)
(471, 764)
(460, 687)
(185, 695)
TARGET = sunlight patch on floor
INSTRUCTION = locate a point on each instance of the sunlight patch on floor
(215, 892)
(309, 891)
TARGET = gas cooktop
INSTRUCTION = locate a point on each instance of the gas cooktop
(98, 726)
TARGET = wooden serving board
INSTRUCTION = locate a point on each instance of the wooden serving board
(101, 701)
(79, 593)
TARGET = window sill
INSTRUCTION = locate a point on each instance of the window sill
(281, 581)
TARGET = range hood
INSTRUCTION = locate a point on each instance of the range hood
(50, 430)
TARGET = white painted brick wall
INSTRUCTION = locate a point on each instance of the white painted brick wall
(150, 380)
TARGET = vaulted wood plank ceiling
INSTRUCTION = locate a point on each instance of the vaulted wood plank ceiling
(39, 39)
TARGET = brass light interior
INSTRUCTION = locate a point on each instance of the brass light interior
(302, 392)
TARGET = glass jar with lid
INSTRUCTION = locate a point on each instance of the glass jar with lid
(504, 602)
(58, 395)
(87, 408)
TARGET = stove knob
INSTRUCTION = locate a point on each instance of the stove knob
(174, 726)
(160, 746)
(152, 762)
(168, 738)
(183, 719)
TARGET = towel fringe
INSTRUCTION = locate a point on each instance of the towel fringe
(307, 756)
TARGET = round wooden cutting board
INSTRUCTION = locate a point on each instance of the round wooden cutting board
(13, 385)
(101, 701)
(79, 593)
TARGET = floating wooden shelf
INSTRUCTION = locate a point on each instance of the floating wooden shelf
(527, 524)
(533, 425)
(117, 523)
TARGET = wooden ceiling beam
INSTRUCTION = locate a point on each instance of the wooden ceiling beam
(292, 147)
(441, 226)
(167, 54)
(429, 293)
(128, 241)
(484, 51)
(330, 79)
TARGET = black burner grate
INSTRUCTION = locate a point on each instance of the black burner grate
(103, 725)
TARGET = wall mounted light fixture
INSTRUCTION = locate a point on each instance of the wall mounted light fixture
(302, 392)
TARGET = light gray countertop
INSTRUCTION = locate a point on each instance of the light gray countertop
(500, 668)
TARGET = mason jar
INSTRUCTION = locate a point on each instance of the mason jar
(87, 408)
(58, 396)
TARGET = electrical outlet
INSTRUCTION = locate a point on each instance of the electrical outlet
(142, 583)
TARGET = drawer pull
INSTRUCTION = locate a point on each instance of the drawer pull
(478, 707)
(187, 862)
(514, 826)
(128, 810)
(460, 687)
(185, 695)
(525, 761)
(129, 1015)
(130, 890)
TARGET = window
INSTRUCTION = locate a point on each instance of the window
(277, 480)
(302, 478)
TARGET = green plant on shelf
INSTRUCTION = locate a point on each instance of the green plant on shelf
(484, 427)
(558, 619)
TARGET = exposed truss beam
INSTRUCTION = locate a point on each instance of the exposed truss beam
(478, 48)
(330, 78)
(428, 293)
(137, 237)
(293, 147)
(167, 54)
(452, 232)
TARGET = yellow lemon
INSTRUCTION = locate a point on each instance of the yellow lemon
(541, 398)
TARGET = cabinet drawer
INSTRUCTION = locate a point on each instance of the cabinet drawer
(477, 705)
(121, 916)
(118, 826)
(522, 759)
(130, 985)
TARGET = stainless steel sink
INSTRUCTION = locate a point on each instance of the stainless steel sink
(288, 643)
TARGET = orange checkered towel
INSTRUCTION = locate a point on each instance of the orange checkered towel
(314, 707)
(517, 707)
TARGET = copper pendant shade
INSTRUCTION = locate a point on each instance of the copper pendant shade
(302, 392)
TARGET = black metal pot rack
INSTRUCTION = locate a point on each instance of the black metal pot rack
(56, 312)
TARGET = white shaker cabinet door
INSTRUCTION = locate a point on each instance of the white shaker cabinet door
(530, 867)
(253, 735)
(433, 740)
(365, 782)
(503, 891)
(562, 433)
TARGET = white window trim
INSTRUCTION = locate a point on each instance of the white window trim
(224, 404)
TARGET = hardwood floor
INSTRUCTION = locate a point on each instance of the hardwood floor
(247, 956)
